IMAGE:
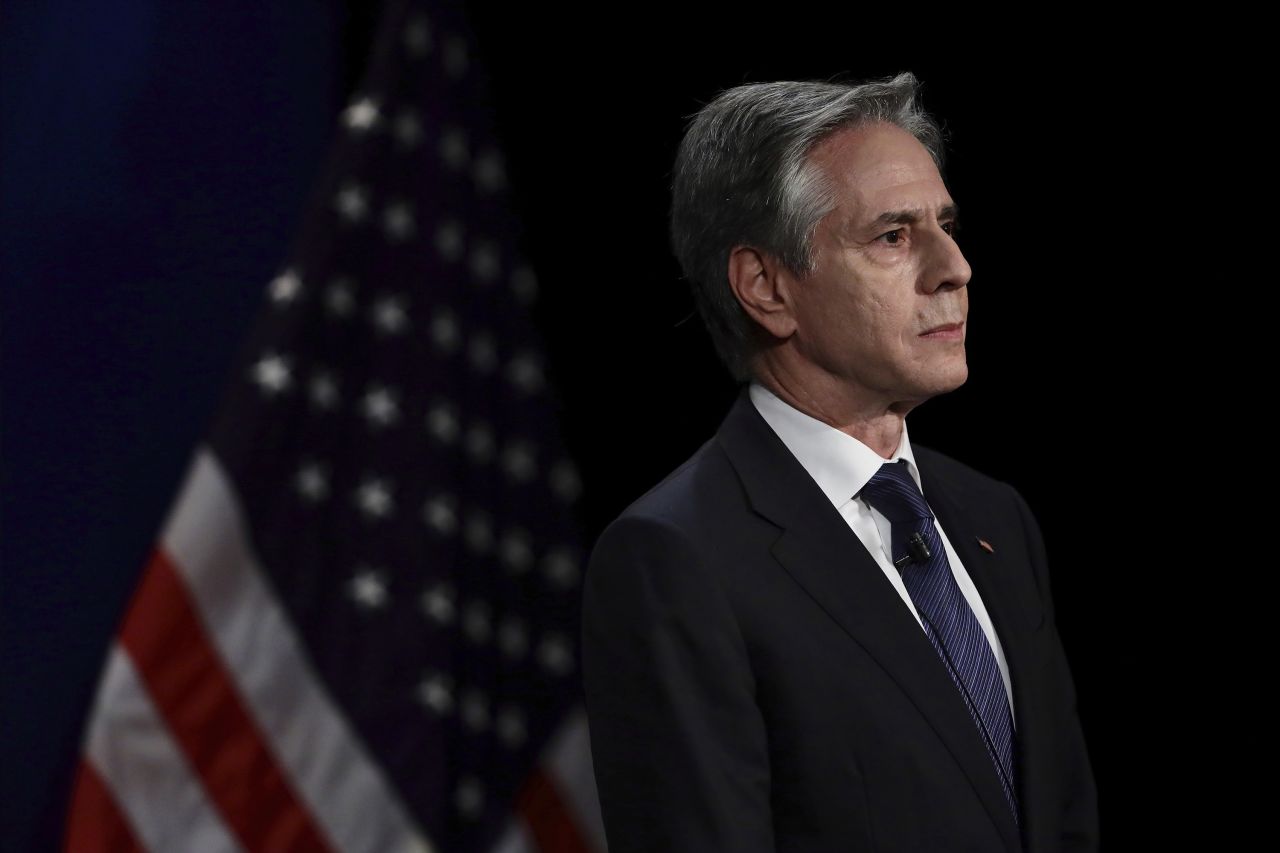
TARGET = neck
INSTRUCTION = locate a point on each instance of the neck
(877, 425)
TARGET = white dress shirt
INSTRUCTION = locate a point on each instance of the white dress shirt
(841, 465)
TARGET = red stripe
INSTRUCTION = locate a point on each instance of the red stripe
(549, 817)
(197, 698)
(95, 823)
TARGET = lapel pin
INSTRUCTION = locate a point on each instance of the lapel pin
(986, 546)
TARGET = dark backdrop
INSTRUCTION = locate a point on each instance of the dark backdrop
(156, 160)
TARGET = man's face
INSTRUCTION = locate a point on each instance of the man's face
(886, 272)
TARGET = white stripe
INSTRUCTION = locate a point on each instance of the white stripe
(129, 745)
(344, 789)
(568, 763)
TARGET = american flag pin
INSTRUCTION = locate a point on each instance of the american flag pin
(986, 546)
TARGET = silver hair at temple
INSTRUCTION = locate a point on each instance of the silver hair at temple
(742, 177)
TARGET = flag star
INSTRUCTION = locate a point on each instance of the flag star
(469, 797)
(485, 262)
(483, 352)
(516, 549)
(478, 532)
(524, 284)
(381, 406)
(352, 203)
(510, 726)
(285, 287)
(475, 710)
(513, 639)
(442, 422)
(323, 390)
(441, 514)
(480, 442)
(312, 481)
(476, 622)
(490, 173)
(417, 37)
(448, 241)
(374, 498)
(368, 588)
(439, 603)
(361, 115)
(407, 129)
(444, 330)
(525, 373)
(398, 222)
(455, 56)
(339, 298)
(564, 481)
(453, 147)
(435, 691)
(271, 372)
(555, 654)
(560, 565)
(388, 315)
(519, 460)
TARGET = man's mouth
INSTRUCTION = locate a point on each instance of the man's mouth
(946, 330)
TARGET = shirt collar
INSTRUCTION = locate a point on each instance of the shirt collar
(839, 463)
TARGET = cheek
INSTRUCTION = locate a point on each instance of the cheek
(880, 319)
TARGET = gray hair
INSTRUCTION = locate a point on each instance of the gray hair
(742, 177)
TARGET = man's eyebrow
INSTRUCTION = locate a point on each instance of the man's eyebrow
(912, 216)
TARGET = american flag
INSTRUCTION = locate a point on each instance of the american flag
(357, 628)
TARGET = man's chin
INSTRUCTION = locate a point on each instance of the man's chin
(950, 381)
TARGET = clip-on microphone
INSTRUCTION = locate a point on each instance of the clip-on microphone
(917, 552)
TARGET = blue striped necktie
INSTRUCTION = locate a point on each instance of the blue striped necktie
(948, 620)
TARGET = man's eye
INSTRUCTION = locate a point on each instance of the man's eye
(892, 237)
(952, 228)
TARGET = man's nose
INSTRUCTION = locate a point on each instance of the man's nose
(947, 264)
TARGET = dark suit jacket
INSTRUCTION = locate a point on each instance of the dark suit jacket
(753, 682)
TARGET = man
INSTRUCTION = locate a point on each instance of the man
(814, 635)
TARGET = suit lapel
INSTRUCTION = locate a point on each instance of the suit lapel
(817, 548)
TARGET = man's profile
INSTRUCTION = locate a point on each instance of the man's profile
(814, 635)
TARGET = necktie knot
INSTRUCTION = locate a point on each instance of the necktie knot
(894, 493)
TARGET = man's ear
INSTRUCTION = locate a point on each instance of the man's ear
(763, 287)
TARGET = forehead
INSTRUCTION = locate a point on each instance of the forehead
(879, 167)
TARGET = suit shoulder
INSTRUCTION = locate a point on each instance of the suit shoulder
(661, 540)
(681, 499)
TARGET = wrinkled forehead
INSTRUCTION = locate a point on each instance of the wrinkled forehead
(877, 168)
